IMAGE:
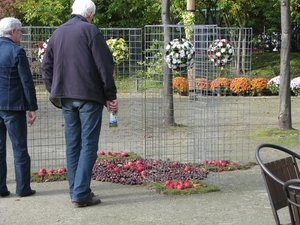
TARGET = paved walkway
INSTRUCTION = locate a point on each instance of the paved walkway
(242, 200)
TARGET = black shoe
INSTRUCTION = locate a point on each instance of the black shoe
(91, 196)
(89, 202)
(2, 195)
(32, 192)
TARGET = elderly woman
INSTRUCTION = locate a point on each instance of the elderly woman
(18, 95)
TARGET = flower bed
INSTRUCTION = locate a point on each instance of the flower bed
(44, 175)
(243, 85)
(167, 177)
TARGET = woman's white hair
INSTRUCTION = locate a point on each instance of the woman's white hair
(83, 7)
(7, 25)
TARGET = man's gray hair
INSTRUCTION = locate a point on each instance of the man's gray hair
(7, 25)
(83, 7)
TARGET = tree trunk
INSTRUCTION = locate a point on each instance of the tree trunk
(285, 116)
(190, 7)
(168, 103)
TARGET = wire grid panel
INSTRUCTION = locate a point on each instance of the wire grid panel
(133, 39)
(128, 135)
(206, 126)
(46, 142)
(226, 129)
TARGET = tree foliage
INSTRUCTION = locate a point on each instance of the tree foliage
(263, 16)
(236, 12)
(123, 13)
(109, 13)
(44, 12)
(7, 9)
(295, 11)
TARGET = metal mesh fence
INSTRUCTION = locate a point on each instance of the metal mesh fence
(46, 137)
(206, 126)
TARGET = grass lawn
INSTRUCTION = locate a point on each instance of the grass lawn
(267, 65)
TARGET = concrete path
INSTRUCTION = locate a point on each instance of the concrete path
(242, 200)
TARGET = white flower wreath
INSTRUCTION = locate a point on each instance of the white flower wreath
(180, 54)
(220, 52)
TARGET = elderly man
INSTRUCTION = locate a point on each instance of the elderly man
(78, 72)
(18, 95)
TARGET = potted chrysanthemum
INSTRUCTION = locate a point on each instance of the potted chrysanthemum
(240, 85)
(295, 86)
(42, 49)
(181, 85)
(202, 83)
(274, 84)
(220, 85)
(258, 85)
(180, 54)
(203, 86)
(220, 52)
(119, 50)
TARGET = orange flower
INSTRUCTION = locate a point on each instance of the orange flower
(180, 84)
(220, 82)
(259, 84)
(240, 84)
(202, 83)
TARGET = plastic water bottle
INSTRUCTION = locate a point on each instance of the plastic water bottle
(113, 122)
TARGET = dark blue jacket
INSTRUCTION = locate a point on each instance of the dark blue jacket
(78, 63)
(17, 91)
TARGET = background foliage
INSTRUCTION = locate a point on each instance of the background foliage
(267, 65)
(263, 16)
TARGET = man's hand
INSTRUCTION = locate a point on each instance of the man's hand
(112, 105)
(31, 117)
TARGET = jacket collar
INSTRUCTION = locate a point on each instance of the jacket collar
(76, 16)
(6, 39)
